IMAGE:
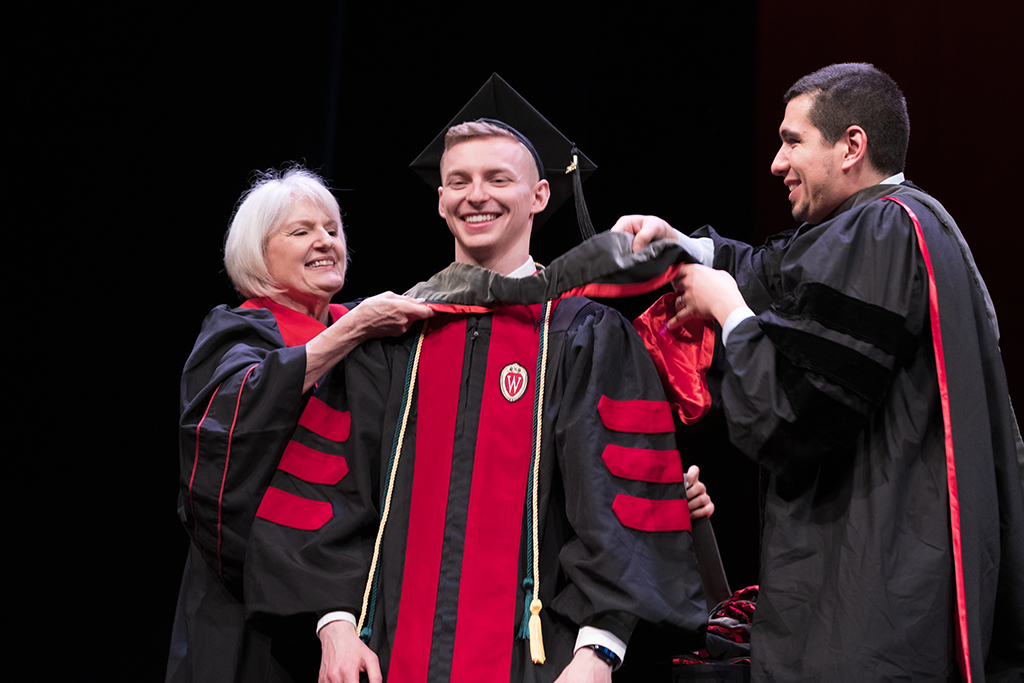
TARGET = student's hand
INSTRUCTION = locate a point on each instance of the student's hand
(345, 655)
(697, 494)
(586, 667)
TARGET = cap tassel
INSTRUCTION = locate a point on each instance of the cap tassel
(536, 639)
(586, 226)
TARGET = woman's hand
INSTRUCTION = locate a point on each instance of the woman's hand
(384, 315)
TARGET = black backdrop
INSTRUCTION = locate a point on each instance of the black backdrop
(138, 130)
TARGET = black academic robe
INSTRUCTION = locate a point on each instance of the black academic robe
(241, 398)
(450, 598)
(882, 548)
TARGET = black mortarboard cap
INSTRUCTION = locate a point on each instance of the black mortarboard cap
(498, 103)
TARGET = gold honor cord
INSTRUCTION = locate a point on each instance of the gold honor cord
(536, 638)
(371, 579)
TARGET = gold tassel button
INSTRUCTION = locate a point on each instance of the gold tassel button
(536, 639)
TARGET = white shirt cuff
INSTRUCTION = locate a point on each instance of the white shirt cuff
(700, 248)
(596, 636)
(733, 319)
(335, 616)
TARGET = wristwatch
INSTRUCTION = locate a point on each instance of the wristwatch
(606, 655)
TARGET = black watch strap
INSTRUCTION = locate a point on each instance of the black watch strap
(606, 655)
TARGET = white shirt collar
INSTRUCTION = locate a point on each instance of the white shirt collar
(525, 270)
(893, 180)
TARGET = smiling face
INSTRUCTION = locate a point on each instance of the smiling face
(306, 259)
(810, 167)
(489, 194)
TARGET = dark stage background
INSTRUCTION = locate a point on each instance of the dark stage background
(139, 132)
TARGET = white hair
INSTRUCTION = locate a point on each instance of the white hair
(261, 210)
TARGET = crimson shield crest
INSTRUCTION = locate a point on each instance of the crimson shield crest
(514, 380)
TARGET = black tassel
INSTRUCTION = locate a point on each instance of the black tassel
(582, 215)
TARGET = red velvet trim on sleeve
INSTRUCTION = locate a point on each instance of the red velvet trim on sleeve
(286, 509)
(645, 514)
(312, 465)
(641, 417)
(644, 464)
(682, 356)
(325, 421)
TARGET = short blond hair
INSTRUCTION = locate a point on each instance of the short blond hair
(259, 213)
(471, 130)
(482, 129)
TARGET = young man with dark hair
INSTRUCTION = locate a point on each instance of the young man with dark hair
(862, 370)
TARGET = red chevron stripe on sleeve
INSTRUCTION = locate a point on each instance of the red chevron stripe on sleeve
(321, 419)
(311, 465)
(643, 464)
(286, 509)
(644, 514)
(642, 417)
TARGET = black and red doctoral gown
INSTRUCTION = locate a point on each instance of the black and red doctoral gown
(241, 399)
(870, 385)
(449, 600)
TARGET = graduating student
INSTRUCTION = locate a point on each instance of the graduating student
(509, 477)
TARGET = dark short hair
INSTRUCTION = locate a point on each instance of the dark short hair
(857, 94)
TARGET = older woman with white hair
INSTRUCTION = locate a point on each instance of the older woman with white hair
(243, 390)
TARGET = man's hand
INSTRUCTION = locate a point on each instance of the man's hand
(645, 229)
(344, 655)
(586, 667)
(704, 293)
(697, 494)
